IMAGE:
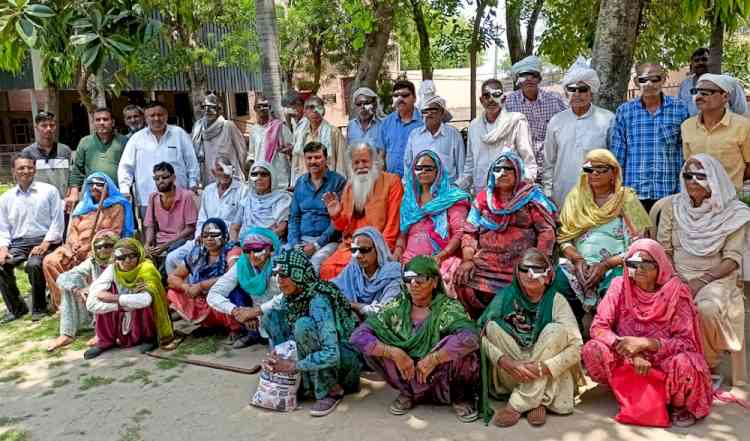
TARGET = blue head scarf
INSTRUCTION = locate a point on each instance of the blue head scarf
(252, 281)
(444, 196)
(87, 204)
(197, 261)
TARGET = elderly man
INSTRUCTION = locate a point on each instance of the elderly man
(221, 199)
(574, 132)
(213, 135)
(538, 105)
(271, 141)
(294, 110)
(319, 130)
(437, 136)
(134, 118)
(718, 131)
(53, 159)
(495, 130)
(371, 198)
(365, 126)
(31, 226)
(160, 142)
(396, 127)
(310, 227)
(699, 67)
(646, 137)
(99, 152)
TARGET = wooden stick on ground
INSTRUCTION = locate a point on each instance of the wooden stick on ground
(251, 371)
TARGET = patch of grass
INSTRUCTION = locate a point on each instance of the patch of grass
(131, 433)
(60, 382)
(167, 364)
(85, 364)
(15, 435)
(170, 378)
(9, 421)
(12, 376)
(55, 364)
(198, 346)
(94, 381)
(126, 364)
(142, 375)
(47, 392)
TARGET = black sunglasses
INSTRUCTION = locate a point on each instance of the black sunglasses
(402, 95)
(280, 274)
(363, 103)
(253, 249)
(649, 78)
(420, 280)
(495, 94)
(212, 235)
(426, 168)
(124, 257)
(361, 250)
(499, 168)
(645, 265)
(689, 176)
(98, 184)
(104, 246)
(574, 89)
(704, 91)
(260, 174)
(599, 169)
(525, 268)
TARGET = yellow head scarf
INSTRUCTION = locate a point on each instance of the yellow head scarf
(580, 212)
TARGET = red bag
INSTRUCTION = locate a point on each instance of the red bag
(642, 398)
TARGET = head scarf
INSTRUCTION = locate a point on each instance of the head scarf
(296, 265)
(488, 212)
(366, 91)
(724, 82)
(145, 272)
(532, 63)
(428, 95)
(253, 281)
(276, 202)
(103, 236)
(704, 230)
(197, 262)
(393, 325)
(355, 285)
(444, 196)
(581, 72)
(87, 204)
(580, 212)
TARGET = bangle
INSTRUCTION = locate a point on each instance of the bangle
(539, 367)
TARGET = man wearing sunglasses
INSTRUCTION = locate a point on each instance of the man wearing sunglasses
(317, 129)
(271, 141)
(368, 117)
(646, 137)
(398, 126)
(716, 130)
(699, 67)
(574, 132)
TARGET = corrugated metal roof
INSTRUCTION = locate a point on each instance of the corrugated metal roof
(23, 80)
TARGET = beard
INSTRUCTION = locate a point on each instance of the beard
(362, 186)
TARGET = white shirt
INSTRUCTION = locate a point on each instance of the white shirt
(281, 161)
(125, 299)
(33, 213)
(227, 207)
(569, 138)
(143, 151)
(446, 142)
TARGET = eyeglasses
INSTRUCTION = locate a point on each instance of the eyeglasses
(98, 184)
(495, 94)
(158, 178)
(401, 95)
(499, 168)
(526, 268)
(530, 75)
(697, 60)
(419, 280)
(643, 265)
(597, 169)
(280, 274)
(104, 246)
(252, 249)
(653, 79)
(431, 110)
(580, 89)
(689, 176)
(424, 168)
(124, 257)
(211, 235)
(704, 91)
(363, 103)
(361, 250)
(260, 174)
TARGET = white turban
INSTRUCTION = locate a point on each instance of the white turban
(532, 63)
(580, 72)
(366, 91)
(725, 82)
(428, 95)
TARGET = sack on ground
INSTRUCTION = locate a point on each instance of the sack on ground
(278, 391)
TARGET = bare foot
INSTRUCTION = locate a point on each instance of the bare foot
(59, 342)
(92, 342)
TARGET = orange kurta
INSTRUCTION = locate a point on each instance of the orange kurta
(381, 212)
(78, 245)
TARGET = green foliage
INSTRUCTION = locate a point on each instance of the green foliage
(92, 381)
(731, 12)
(736, 60)
(450, 37)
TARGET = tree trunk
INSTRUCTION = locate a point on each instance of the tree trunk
(425, 56)
(513, 30)
(376, 46)
(717, 45)
(474, 48)
(614, 45)
(316, 47)
(265, 23)
(531, 27)
(53, 99)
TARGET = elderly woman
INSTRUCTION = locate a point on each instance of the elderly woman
(648, 319)
(264, 206)
(102, 207)
(532, 341)
(129, 302)
(190, 283)
(372, 278)
(703, 229)
(318, 318)
(424, 344)
(510, 216)
(247, 286)
(433, 213)
(600, 219)
(74, 286)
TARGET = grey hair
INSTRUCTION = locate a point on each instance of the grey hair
(364, 145)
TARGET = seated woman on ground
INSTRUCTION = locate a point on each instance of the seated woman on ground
(703, 229)
(648, 319)
(102, 207)
(318, 318)
(372, 278)
(248, 286)
(264, 206)
(600, 219)
(424, 344)
(433, 214)
(202, 267)
(531, 346)
(510, 216)
(75, 288)
(129, 303)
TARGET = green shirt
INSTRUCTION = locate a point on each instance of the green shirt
(94, 156)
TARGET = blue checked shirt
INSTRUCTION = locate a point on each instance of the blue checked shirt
(649, 146)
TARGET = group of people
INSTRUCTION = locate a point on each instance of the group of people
(501, 269)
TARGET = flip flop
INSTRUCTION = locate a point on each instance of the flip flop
(506, 417)
(465, 412)
(537, 416)
(401, 405)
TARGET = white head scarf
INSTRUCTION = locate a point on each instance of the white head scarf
(366, 91)
(703, 230)
(267, 209)
(532, 63)
(428, 95)
(581, 72)
(724, 82)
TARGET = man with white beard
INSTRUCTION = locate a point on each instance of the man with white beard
(372, 198)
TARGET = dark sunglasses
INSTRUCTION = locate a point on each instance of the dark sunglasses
(402, 95)
(420, 280)
(525, 268)
(161, 177)
(581, 89)
(280, 274)
(124, 257)
(104, 246)
(361, 250)
(363, 103)
(253, 249)
(645, 265)
(651, 78)
(98, 184)
(426, 168)
(697, 60)
(530, 75)
(260, 174)
(499, 168)
(689, 176)
(431, 110)
(703, 91)
(495, 94)
(599, 169)
(212, 235)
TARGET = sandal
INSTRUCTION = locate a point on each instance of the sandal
(465, 412)
(401, 405)
(325, 405)
(682, 418)
(537, 416)
(506, 417)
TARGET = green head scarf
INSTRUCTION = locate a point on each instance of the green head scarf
(393, 325)
(103, 236)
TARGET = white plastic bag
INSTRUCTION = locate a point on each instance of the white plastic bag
(278, 391)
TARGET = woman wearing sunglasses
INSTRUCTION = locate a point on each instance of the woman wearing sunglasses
(531, 346)
(424, 344)
(265, 205)
(129, 302)
(74, 287)
(102, 207)
(703, 228)
(600, 219)
(510, 216)
(648, 320)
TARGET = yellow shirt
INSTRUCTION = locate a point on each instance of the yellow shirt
(729, 142)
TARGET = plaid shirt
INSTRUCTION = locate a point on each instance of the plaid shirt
(649, 146)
